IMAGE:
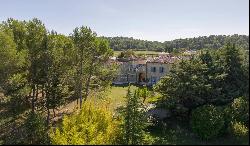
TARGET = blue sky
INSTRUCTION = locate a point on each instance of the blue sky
(158, 20)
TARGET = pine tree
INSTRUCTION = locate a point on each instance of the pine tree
(134, 119)
(91, 54)
(235, 81)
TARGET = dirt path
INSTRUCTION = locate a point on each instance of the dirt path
(64, 110)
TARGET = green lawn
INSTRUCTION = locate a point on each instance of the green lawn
(114, 98)
(117, 95)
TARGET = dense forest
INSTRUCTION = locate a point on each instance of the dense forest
(196, 43)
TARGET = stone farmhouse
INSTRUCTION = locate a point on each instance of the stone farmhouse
(144, 71)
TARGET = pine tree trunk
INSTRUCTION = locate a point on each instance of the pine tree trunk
(88, 80)
(28, 97)
(54, 112)
(33, 98)
(80, 88)
(80, 93)
(48, 116)
(37, 92)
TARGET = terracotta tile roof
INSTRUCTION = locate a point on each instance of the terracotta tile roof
(141, 61)
(163, 59)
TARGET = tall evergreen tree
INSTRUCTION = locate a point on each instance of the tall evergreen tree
(134, 119)
(83, 39)
(91, 56)
(36, 34)
(235, 81)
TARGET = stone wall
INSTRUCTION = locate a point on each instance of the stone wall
(154, 76)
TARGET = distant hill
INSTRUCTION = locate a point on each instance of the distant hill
(196, 43)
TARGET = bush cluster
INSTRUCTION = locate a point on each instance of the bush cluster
(207, 121)
(238, 129)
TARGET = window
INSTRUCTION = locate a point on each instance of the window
(153, 69)
(161, 69)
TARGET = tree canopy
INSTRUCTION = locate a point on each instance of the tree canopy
(196, 43)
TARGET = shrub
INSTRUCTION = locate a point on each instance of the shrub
(92, 126)
(238, 129)
(149, 139)
(227, 118)
(35, 129)
(240, 110)
(207, 121)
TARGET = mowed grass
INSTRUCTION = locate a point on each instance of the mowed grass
(117, 95)
(116, 53)
(114, 97)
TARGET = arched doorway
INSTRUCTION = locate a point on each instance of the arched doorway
(142, 77)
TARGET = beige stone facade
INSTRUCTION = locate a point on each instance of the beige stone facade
(156, 70)
(130, 71)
